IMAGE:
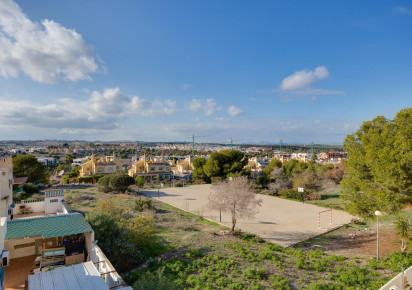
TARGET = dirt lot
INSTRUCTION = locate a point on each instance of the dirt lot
(283, 222)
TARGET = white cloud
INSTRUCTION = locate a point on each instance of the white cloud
(102, 111)
(403, 10)
(45, 52)
(304, 79)
(234, 111)
(208, 107)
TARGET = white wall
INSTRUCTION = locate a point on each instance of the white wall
(53, 207)
(3, 231)
(36, 206)
(22, 252)
(396, 283)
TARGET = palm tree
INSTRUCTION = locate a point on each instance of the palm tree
(403, 228)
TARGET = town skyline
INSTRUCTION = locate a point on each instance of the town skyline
(157, 72)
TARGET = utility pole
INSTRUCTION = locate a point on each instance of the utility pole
(322, 148)
(231, 143)
(193, 143)
(280, 146)
(312, 148)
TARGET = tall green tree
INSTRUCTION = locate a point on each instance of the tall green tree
(379, 166)
(225, 163)
(27, 165)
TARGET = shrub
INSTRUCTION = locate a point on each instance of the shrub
(290, 194)
(66, 179)
(313, 196)
(254, 274)
(155, 280)
(179, 183)
(104, 225)
(141, 204)
(30, 188)
(266, 254)
(86, 179)
(120, 182)
(104, 183)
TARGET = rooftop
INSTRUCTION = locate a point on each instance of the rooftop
(49, 227)
(80, 276)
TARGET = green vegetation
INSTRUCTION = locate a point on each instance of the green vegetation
(379, 168)
(186, 251)
(115, 182)
(220, 165)
(27, 165)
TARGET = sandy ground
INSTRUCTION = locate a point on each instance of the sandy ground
(283, 222)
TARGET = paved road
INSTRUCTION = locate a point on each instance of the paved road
(283, 222)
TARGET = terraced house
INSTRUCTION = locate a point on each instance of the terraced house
(44, 245)
(151, 169)
(101, 165)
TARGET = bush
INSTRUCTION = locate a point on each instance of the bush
(313, 196)
(30, 188)
(155, 280)
(291, 194)
(86, 179)
(104, 226)
(66, 179)
(141, 204)
(179, 183)
(115, 182)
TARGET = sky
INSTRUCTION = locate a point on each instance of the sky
(250, 71)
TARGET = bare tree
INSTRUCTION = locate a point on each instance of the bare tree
(236, 196)
(280, 183)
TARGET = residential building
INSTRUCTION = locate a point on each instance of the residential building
(101, 165)
(47, 160)
(151, 169)
(257, 165)
(182, 166)
(45, 235)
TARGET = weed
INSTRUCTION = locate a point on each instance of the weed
(278, 282)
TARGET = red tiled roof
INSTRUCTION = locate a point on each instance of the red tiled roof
(20, 180)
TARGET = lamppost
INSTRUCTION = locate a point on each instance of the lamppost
(377, 213)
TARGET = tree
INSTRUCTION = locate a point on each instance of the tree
(378, 166)
(198, 171)
(27, 165)
(139, 182)
(120, 182)
(236, 196)
(280, 183)
(69, 158)
(104, 225)
(306, 179)
(221, 165)
(403, 228)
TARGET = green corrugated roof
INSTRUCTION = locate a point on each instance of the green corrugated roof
(49, 227)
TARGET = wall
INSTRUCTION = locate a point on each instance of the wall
(53, 207)
(3, 231)
(104, 265)
(35, 206)
(22, 252)
(396, 283)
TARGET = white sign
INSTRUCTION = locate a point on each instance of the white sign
(300, 189)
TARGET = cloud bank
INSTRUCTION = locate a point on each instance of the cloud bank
(45, 52)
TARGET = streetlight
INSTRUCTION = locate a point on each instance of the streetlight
(377, 213)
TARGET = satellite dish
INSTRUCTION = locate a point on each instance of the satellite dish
(61, 172)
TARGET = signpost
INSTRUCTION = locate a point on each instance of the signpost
(302, 190)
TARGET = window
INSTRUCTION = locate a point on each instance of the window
(160, 168)
(152, 168)
(100, 170)
(110, 169)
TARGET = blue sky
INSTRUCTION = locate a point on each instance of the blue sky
(300, 71)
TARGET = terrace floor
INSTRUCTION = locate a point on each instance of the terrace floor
(17, 272)
(31, 215)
